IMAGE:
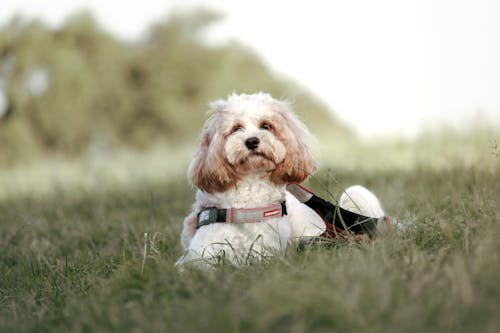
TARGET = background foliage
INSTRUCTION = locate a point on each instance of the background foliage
(102, 93)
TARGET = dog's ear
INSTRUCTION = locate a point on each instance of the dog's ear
(298, 163)
(209, 170)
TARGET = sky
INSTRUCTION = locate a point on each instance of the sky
(386, 67)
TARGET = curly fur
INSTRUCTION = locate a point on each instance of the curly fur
(228, 174)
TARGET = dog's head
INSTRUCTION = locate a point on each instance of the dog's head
(250, 134)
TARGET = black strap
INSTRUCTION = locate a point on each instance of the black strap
(342, 218)
(283, 208)
(211, 215)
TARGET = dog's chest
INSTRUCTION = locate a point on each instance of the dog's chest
(272, 235)
(250, 193)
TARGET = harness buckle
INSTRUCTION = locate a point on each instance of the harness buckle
(207, 216)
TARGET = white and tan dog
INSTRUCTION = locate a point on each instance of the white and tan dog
(251, 147)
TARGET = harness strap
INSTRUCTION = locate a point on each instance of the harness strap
(341, 219)
(336, 218)
(211, 215)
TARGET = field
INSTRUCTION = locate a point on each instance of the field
(90, 246)
(93, 192)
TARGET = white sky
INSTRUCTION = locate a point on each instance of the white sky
(386, 66)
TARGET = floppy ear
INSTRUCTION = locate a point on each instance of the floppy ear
(298, 163)
(209, 170)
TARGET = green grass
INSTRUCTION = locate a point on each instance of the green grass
(71, 260)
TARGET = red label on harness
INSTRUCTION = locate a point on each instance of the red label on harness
(271, 212)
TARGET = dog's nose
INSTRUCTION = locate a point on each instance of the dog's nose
(252, 143)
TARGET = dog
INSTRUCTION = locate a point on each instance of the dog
(251, 147)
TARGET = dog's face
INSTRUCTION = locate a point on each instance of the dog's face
(249, 134)
(251, 142)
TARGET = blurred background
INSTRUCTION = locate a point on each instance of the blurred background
(101, 105)
(92, 91)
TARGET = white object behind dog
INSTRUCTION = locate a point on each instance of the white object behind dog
(360, 200)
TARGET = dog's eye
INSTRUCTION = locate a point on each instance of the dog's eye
(236, 128)
(266, 126)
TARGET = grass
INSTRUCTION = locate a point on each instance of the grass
(72, 260)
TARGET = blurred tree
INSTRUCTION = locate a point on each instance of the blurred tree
(76, 88)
